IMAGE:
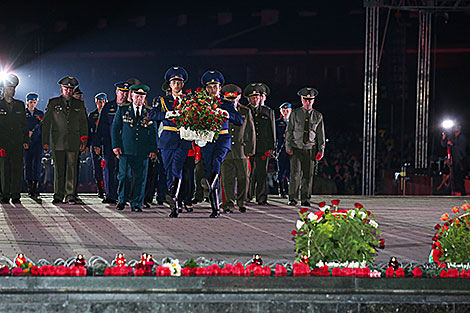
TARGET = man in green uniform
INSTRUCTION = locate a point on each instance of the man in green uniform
(305, 143)
(265, 143)
(65, 130)
(235, 164)
(14, 138)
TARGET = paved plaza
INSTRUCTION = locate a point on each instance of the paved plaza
(47, 231)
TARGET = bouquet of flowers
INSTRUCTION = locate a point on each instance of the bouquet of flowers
(199, 117)
(452, 240)
(337, 235)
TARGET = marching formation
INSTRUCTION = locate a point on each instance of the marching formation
(138, 149)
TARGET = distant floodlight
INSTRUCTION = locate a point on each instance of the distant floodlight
(448, 124)
(3, 76)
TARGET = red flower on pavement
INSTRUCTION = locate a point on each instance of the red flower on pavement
(280, 270)
(4, 271)
(2, 153)
(417, 272)
(103, 163)
(453, 273)
(83, 138)
(17, 271)
(455, 209)
(389, 272)
(381, 244)
(35, 270)
(294, 233)
(465, 206)
(437, 227)
(303, 210)
(400, 272)
(334, 202)
(445, 217)
(444, 274)
(358, 205)
(322, 204)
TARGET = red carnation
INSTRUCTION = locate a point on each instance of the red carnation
(322, 204)
(213, 127)
(437, 227)
(35, 270)
(267, 153)
(198, 89)
(443, 274)
(417, 272)
(2, 153)
(189, 91)
(103, 163)
(263, 157)
(83, 138)
(389, 272)
(17, 271)
(381, 244)
(400, 272)
(303, 210)
(358, 205)
(4, 271)
(319, 156)
(334, 202)
(280, 270)
(294, 233)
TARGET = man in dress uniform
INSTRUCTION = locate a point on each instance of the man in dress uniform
(174, 150)
(100, 100)
(305, 143)
(213, 153)
(33, 156)
(102, 141)
(265, 142)
(133, 138)
(283, 161)
(65, 131)
(235, 164)
(14, 140)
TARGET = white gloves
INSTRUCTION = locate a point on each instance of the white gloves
(171, 114)
(201, 143)
(223, 112)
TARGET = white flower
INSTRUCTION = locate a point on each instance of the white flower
(362, 214)
(312, 217)
(375, 274)
(374, 224)
(325, 207)
(320, 264)
(173, 265)
(300, 224)
(352, 213)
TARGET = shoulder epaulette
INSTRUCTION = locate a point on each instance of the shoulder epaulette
(162, 102)
(125, 104)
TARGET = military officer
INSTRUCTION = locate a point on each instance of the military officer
(305, 143)
(33, 156)
(14, 140)
(65, 132)
(134, 140)
(235, 164)
(283, 161)
(174, 150)
(102, 141)
(213, 153)
(77, 93)
(265, 142)
(100, 100)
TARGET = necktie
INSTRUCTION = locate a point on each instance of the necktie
(137, 113)
(306, 128)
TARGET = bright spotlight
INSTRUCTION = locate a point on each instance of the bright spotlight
(3, 76)
(448, 124)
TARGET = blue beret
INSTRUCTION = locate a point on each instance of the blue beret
(212, 77)
(124, 86)
(101, 96)
(32, 96)
(285, 105)
(176, 72)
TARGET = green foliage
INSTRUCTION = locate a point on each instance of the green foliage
(453, 240)
(190, 263)
(337, 236)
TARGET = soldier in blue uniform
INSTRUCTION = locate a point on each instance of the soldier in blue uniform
(213, 153)
(100, 100)
(134, 140)
(174, 150)
(283, 160)
(33, 156)
(102, 141)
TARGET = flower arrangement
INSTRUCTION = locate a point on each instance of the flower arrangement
(199, 118)
(337, 235)
(451, 243)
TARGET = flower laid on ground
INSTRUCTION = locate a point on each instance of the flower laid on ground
(199, 112)
(451, 243)
(337, 235)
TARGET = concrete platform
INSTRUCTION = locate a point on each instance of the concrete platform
(47, 231)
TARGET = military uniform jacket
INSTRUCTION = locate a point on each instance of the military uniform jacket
(234, 117)
(102, 136)
(65, 128)
(243, 137)
(35, 119)
(281, 126)
(92, 125)
(296, 127)
(134, 137)
(13, 126)
(265, 129)
(169, 138)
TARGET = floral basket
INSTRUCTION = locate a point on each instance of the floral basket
(189, 134)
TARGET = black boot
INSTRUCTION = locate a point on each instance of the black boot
(100, 186)
(214, 199)
(30, 188)
(36, 188)
(173, 208)
(174, 188)
(212, 182)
